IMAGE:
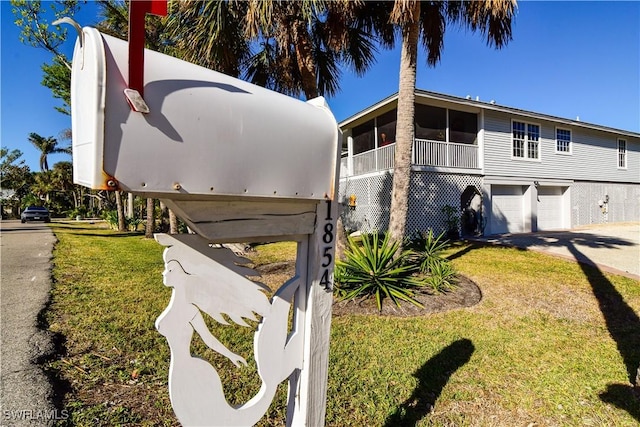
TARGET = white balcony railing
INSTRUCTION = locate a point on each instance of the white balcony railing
(445, 154)
(374, 160)
(425, 153)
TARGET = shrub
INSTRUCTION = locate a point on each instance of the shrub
(428, 249)
(442, 277)
(111, 217)
(373, 270)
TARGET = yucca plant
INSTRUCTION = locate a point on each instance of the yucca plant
(428, 249)
(442, 277)
(374, 269)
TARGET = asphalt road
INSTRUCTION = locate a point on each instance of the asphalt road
(25, 282)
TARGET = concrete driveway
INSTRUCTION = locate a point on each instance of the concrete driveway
(612, 247)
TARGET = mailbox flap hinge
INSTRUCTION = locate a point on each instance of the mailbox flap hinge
(136, 101)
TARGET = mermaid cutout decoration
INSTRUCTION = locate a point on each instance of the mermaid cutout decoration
(211, 280)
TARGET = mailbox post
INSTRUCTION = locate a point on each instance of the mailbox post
(237, 163)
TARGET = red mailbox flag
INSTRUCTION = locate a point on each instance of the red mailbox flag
(137, 12)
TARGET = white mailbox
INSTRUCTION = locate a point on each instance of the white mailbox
(207, 136)
(236, 162)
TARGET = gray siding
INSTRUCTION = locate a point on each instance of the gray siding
(594, 153)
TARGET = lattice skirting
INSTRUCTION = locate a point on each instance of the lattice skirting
(429, 192)
(624, 203)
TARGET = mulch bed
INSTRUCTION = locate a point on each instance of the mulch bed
(465, 294)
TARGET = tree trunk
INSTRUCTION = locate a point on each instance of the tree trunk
(173, 223)
(122, 224)
(305, 61)
(151, 222)
(341, 239)
(164, 212)
(405, 128)
(130, 213)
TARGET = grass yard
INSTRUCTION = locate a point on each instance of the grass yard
(552, 343)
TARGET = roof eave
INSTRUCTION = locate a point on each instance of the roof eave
(491, 107)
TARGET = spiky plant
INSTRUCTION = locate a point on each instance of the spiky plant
(374, 270)
(428, 249)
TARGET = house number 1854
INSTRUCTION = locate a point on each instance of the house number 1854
(327, 256)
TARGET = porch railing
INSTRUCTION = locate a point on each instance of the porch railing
(445, 154)
(374, 160)
(425, 153)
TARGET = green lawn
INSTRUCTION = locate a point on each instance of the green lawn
(551, 343)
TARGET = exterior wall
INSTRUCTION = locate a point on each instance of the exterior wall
(429, 193)
(579, 179)
(594, 154)
(373, 201)
(623, 206)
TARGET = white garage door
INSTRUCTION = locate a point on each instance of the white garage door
(550, 214)
(506, 202)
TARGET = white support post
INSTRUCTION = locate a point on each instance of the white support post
(310, 402)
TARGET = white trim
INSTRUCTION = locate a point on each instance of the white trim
(453, 171)
(481, 141)
(563, 153)
(626, 154)
(516, 180)
(526, 142)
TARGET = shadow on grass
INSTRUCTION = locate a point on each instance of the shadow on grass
(110, 235)
(93, 231)
(624, 397)
(623, 325)
(432, 377)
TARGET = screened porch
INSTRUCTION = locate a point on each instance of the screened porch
(444, 138)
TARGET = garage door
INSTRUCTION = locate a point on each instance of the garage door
(506, 211)
(550, 214)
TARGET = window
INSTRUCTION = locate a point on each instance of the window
(622, 153)
(363, 137)
(525, 140)
(431, 123)
(563, 141)
(387, 126)
(463, 127)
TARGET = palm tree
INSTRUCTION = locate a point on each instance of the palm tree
(426, 22)
(43, 185)
(150, 226)
(46, 146)
(300, 44)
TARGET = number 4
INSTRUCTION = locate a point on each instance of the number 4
(325, 281)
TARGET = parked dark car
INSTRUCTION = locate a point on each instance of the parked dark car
(35, 213)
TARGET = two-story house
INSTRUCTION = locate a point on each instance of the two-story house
(503, 170)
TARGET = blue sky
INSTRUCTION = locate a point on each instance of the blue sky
(566, 59)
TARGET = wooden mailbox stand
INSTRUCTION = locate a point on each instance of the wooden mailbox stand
(237, 163)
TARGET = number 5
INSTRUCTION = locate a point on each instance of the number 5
(327, 255)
